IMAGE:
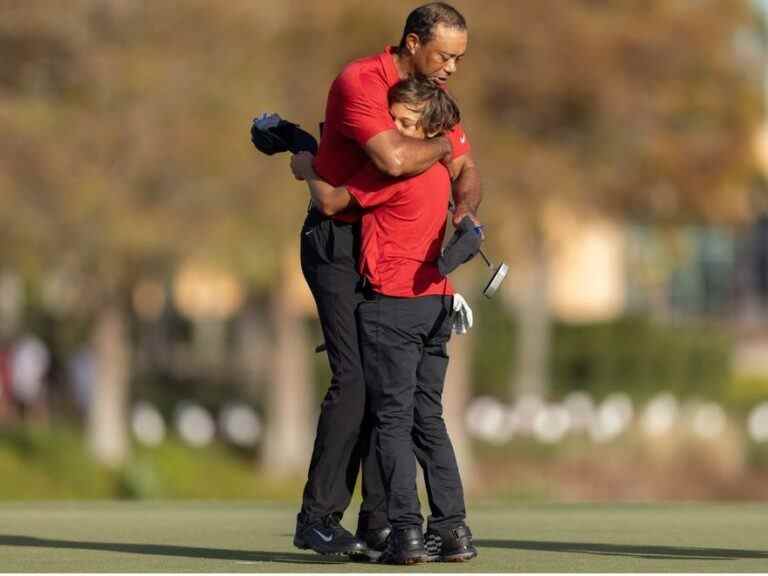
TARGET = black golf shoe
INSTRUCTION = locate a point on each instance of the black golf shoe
(326, 536)
(405, 546)
(376, 541)
(453, 545)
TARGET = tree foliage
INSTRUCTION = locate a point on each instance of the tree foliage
(124, 124)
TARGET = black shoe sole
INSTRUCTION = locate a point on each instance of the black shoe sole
(405, 560)
(457, 557)
(366, 556)
(302, 545)
(461, 557)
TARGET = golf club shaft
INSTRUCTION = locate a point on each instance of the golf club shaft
(485, 258)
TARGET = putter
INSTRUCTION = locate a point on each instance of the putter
(498, 274)
(496, 279)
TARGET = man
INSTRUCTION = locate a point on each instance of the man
(404, 324)
(359, 129)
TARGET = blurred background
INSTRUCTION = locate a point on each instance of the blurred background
(157, 338)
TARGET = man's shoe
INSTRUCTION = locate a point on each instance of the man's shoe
(376, 541)
(405, 546)
(454, 545)
(326, 536)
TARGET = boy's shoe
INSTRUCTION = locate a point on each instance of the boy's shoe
(405, 546)
(326, 536)
(453, 545)
(376, 541)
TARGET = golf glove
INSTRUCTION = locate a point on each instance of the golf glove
(462, 315)
(461, 248)
(271, 134)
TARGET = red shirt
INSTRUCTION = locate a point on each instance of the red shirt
(402, 230)
(357, 110)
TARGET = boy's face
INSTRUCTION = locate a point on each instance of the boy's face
(408, 119)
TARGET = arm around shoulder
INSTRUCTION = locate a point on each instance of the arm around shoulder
(397, 155)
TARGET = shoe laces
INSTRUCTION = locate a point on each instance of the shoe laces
(332, 523)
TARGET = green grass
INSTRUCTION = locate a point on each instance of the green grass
(256, 537)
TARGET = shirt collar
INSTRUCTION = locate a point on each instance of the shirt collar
(390, 70)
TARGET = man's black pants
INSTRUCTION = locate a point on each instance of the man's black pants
(405, 360)
(329, 254)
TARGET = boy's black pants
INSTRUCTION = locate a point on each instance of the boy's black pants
(405, 361)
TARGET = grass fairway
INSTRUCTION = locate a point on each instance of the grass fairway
(255, 537)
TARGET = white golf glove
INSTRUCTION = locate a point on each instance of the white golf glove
(462, 317)
(265, 121)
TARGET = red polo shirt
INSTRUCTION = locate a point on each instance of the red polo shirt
(357, 110)
(403, 226)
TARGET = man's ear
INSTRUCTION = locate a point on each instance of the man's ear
(412, 43)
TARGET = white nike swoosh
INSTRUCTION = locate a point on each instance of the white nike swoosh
(323, 536)
(463, 139)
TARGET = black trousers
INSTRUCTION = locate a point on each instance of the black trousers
(329, 254)
(405, 361)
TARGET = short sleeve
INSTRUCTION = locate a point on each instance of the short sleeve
(363, 101)
(369, 187)
(459, 141)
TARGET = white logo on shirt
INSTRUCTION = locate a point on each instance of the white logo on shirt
(463, 138)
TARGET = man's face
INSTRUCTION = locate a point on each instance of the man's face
(439, 58)
(407, 119)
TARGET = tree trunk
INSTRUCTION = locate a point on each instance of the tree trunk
(254, 343)
(531, 377)
(289, 429)
(107, 413)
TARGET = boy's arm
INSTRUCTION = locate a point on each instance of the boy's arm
(328, 199)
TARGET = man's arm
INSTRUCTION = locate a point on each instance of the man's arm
(362, 99)
(397, 155)
(467, 192)
(326, 198)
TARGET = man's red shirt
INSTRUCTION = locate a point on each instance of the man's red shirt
(356, 111)
(403, 227)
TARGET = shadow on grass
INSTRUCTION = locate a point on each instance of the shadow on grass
(649, 552)
(166, 550)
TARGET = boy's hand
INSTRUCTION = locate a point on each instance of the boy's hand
(462, 318)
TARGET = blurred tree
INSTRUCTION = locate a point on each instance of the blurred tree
(125, 151)
(124, 144)
(637, 109)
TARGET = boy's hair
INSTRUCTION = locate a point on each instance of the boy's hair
(422, 21)
(440, 113)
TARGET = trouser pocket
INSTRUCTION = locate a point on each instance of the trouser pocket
(317, 238)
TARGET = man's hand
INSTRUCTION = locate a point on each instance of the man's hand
(465, 210)
(301, 166)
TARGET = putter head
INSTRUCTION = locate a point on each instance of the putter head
(496, 280)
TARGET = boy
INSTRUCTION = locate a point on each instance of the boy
(404, 324)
